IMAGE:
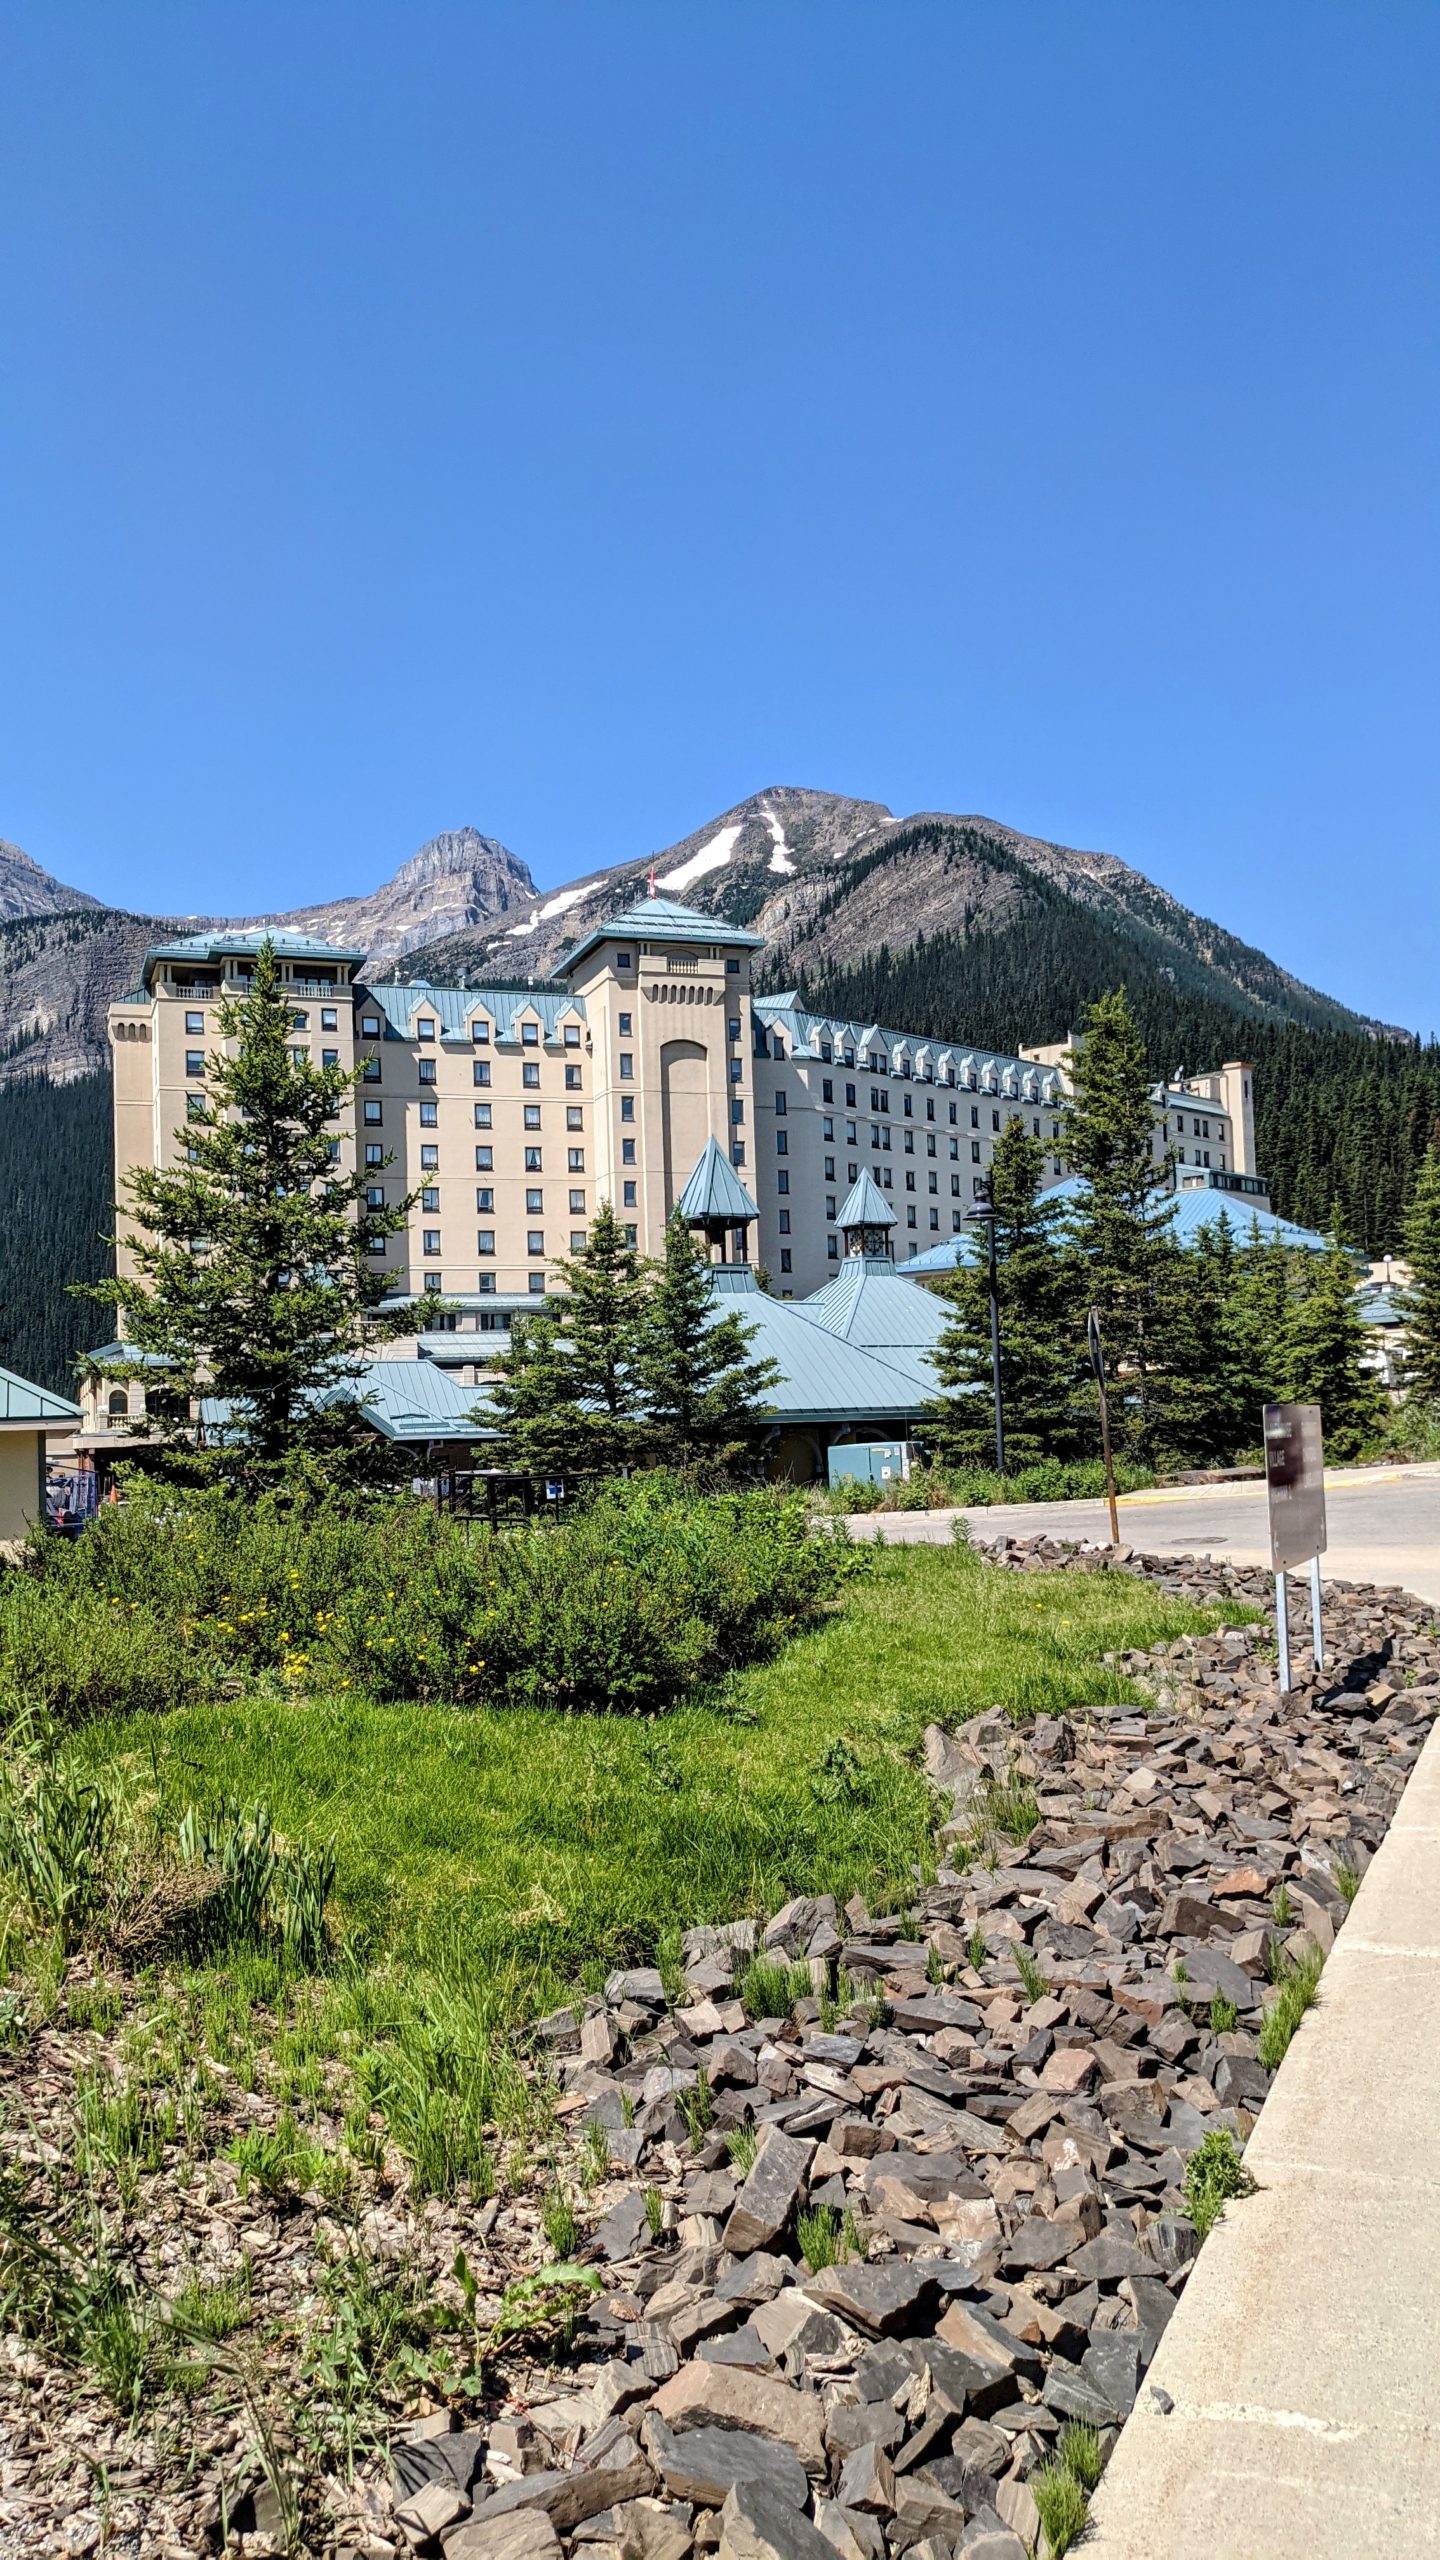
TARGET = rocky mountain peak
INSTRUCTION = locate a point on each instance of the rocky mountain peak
(26, 890)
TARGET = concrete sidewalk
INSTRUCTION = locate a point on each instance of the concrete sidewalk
(1303, 2360)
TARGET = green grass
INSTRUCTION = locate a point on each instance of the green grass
(1295, 1989)
(1214, 2173)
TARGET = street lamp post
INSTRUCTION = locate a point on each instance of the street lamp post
(983, 1215)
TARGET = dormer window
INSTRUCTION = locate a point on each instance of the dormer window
(480, 1029)
(424, 1030)
(572, 1035)
(530, 1034)
(370, 1026)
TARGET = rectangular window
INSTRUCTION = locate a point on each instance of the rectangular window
(574, 1118)
(429, 1159)
(430, 1242)
(627, 1107)
(909, 1142)
(910, 1218)
(429, 1115)
(624, 960)
(430, 1200)
(577, 1239)
(827, 1089)
(480, 1070)
(734, 968)
(485, 1240)
(372, 1071)
(572, 1035)
(301, 1022)
(737, 1115)
(535, 1243)
(781, 1105)
(782, 1182)
(737, 1151)
(194, 1105)
(537, 1284)
(194, 1025)
(530, 1034)
(484, 1199)
(425, 1030)
(909, 1181)
(627, 1150)
(374, 1155)
(737, 1072)
(974, 1150)
(577, 1204)
(489, 1324)
(932, 1182)
(533, 1203)
(484, 1159)
(733, 1027)
(934, 1221)
(627, 1067)
(375, 1196)
(782, 1142)
(627, 1195)
(830, 1208)
(832, 1248)
(575, 1159)
(482, 1115)
(572, 1079)
(376, 1246)
(784, 1222)
(974, 1116)
(329, 1057)
(954, 1186)
(850, 1099)
(329, 1018)
(194, 1062)
(626, 1020)
(479, 1030)
(369, 1026)
(784, 1257)
(426, 1070)
(532, 1115)
(530, 1074)
(632, 1235)
(374, 1114)
(828, 1168)
(994, 1119)
(532, 1160)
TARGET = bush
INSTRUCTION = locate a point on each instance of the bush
(626, 1605)
(939, 1488)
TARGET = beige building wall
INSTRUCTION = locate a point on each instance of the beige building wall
(22, 1481)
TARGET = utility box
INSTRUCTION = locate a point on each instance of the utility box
(871, 1462)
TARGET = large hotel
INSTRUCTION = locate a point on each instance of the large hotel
(511, 1111)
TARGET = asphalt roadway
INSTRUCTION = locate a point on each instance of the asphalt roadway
(1383, 1522)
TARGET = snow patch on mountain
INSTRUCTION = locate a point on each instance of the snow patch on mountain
(711, 857)
(780, 860)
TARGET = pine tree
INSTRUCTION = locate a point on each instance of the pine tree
(1323, 1354)
(1212, 1409)
(1420, 1303)
(1266, 1283)
(253, 1277)
(704, 1395)
(565, 1399)
(1040, 1338)
(1128, 1264)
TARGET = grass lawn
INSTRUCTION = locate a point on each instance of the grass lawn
(529, 1850)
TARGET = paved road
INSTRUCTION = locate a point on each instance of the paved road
(1384, 1524)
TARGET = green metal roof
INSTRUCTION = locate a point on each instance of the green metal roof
(22, 1402)
(823, 1378)
(866, 1206)
(715, 1190)
(455, 1009)
(660, 920)
(220, 940)
(868, 1302)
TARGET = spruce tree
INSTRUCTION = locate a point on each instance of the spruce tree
(1420, 1303)
(565, 1398)
(1212, 1409)
(1127, 1263)
(1041, 1343)
(1323, 1354)
(703, 1393)
(253, 1279)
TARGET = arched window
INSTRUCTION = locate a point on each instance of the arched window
(118, 1403)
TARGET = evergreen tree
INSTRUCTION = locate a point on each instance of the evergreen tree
(1041, 1343)
(1322, 1361)
(566, 1397)
(1127, 1263)
(253, 1276)
(1420, 1303)
(704, 1395)
(1266, 1283)
(1212, 1409)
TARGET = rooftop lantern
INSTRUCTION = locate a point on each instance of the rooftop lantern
(865, 1222)
(716, 1205)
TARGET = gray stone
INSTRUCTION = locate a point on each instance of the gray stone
(1070, 2392)
(431, 2509)
(1110, 2257)
(624, 2227)
(706, 2463)
(867, 2481)
(456, 2455)
(882, 2300)
(755, 2524)
(525, 2533)
(567, 2497)
(1038, 2243)
(766, 2205)
(642, 1986)
(1170, 2242)
(1111, 2364)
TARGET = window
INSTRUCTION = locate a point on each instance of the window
(733, 1027)
(374, 1155)
(929, 1146)
(784, 1257)
(974, 1115)
(782, 1182)
(929, 1110)
(424, 1030)
(482, 1115)
(954, 1186)
(429, 1115)
(577, 1204)
(780, 1104)
(910, 1219)
(429, 1159)
(909, 1181)
(974, 1150)
(301, 1022)
(850, 1099)
(575, 1159)
(827, 1089)
(375, 1196)
(480, 1070)
(909, 1142)
(994, 1119)
(432, 1278)
(832, 1248)
(827, 1132)
(627, 1150)
(430, 1242)
(627, 1067)
(485, 1240)
(535, 1243)
(626, 1022)
(430, 1200)
(194, 1025)
(329, 1018)
(737, 1114)
(908, 1105)
(532, 1160)
(297, 1057)
(537, 1284)
(577, 1239)
(956, 1222)
(574, 1117)
(376, 1246)
(329, 1057)
(572, 1079)
(484, 1159)
(484, 1199)
(194, 1062)
(532, 1115)
(627, 1195)
(932, 1181)
(852, 1173)
(530, 1034)
(737, 1151)
(530, 1074)
(427, 1070)
(374, 1114)
(1035, 1125)
(734, 967)
(627, 1107)
(533, 1203)
(623, 960)
(194, 1105)
(632, 1235)
(934, 1221)
(782, 1142)
(479, 1030)
(784, 1222)
(572, 1035)
(370, 1026)
(954, 1150)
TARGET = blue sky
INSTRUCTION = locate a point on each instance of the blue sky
(566, 419)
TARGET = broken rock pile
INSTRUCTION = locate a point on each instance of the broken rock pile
(864, 2257)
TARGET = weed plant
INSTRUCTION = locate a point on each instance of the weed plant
(1296, 1986)
(1214, 2173)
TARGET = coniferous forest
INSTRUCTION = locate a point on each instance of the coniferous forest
(56, 1185)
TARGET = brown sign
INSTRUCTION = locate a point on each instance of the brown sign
(1295, 1478)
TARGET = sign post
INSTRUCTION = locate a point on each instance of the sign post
(1295, 1483)
(1097, 1363)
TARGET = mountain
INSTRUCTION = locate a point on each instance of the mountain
(26, 890)
(453, 885)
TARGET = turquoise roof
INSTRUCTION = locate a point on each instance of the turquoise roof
(966, 1064)
(219, 940)
(716, 1191)
(661, 920)
(23, 1402)
(455, 1008)
(1192, 1211)
(404, 1399)
(868, 1302)
(866, 1206)
(823, 1378)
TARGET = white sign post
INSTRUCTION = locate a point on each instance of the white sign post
(1295, 1482)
